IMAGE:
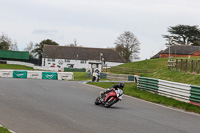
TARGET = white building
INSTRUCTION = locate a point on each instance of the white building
(79, 57)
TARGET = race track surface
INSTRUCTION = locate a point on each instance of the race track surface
(51, 106)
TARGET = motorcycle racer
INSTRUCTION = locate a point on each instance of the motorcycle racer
(115, 87)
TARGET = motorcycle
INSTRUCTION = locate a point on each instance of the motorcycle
(107, 100)
(95, 77)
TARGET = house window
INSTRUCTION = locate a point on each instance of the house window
(51, 59)
(67, 60)
(83, 61)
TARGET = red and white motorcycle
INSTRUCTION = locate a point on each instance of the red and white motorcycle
(110, 98)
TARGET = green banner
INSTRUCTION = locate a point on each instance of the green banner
(19, 74)
(49, 75)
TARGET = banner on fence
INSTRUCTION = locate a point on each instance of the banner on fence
(49, 75)
(6, 73)
(19, 74)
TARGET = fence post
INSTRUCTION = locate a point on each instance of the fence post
(192, 65)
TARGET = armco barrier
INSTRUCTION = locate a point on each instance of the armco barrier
(195, 94)
(6, 73)
(65, 76)
(19, 74)
(176, 90)
(34, 74)
(179, 91)
(148, 84)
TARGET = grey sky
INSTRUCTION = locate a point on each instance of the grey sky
(95, 23)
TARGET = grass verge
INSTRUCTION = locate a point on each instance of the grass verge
(131, 90)
(176, 76)
(4, 130)
(11, 66)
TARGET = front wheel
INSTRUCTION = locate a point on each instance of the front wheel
(110, 103)
(97, 101)
(93, 79)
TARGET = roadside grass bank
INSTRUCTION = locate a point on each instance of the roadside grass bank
(175, 76)
(82, 76)
(4, 130)
(162, 72)
(11, 66)
(131, 90)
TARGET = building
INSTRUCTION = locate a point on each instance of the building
(179, 51)
(79, 57)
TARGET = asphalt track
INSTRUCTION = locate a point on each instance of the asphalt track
(49, 106)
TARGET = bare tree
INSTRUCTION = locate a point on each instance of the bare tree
(29, 48)
(13, 46)
(128, 46)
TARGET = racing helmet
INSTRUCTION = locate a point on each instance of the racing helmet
(121, 85)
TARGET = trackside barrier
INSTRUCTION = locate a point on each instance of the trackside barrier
(148, 84)
(19, 74)
(120, 77)
(65, 76)
(49, 75)
(176, 90)
(6, 73)
(182, 92)
(195, 95)
(36, 75)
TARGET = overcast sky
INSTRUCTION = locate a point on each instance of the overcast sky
(95, 23)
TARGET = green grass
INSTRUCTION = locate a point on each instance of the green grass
(176, 76)
(80, 76)
(153, 64)
(131, 90)
(4, 130)
(11, 66)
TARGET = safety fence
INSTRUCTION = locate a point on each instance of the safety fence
(36, 75)
(182, 92)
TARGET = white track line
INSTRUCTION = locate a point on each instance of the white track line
(8, 129)
(179, 110)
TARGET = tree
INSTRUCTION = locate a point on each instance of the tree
(184, 34)
(7, 44)
(29, 48)
(39, 47)
(4, 42)
(13, 46)
(128, 46)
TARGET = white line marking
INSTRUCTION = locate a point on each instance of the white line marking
(8, 129)
(179, 110)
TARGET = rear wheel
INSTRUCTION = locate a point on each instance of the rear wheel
(110, 103)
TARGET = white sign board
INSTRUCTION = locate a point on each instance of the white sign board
(34, 74)
(6, 73)
(65, 76)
